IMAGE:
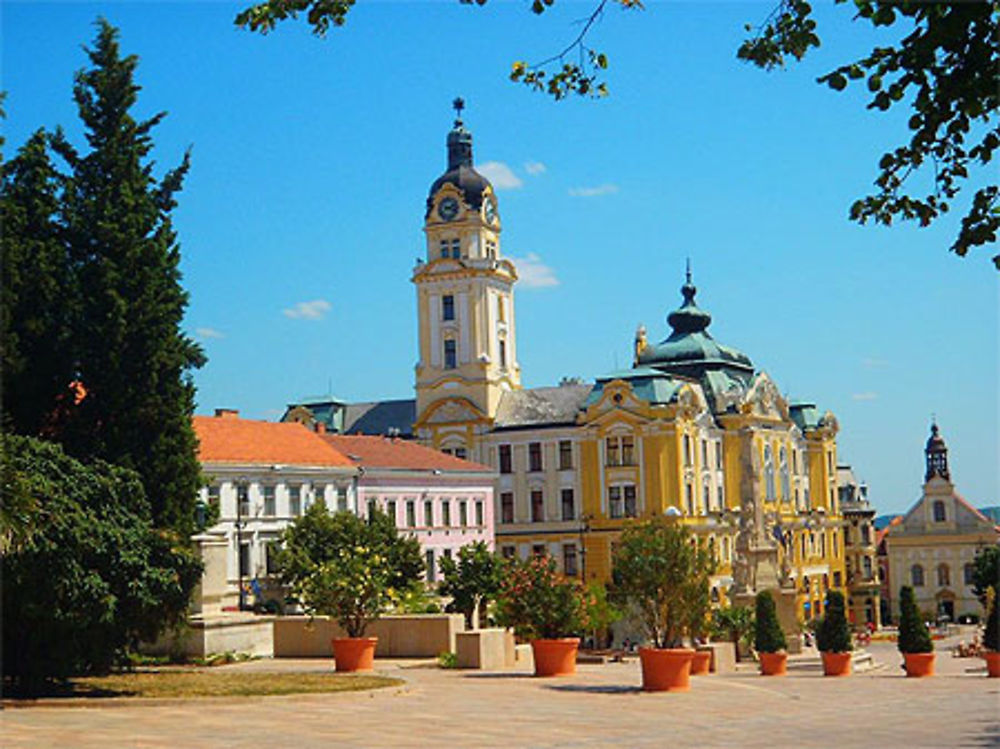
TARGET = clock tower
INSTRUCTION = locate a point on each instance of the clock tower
(465, 306)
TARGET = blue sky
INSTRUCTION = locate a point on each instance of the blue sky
(301, 218)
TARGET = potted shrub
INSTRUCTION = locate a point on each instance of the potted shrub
(699, 608)
(545, 608)
(914, 640)
(735, 623)
(658, 571)
(769, 640)
(350, 569)
(991, 634)
(833, 638)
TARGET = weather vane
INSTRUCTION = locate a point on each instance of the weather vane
(459, 105)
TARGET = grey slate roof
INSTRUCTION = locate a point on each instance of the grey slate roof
(379, 417)
(548, 406)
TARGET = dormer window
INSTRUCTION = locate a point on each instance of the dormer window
(456, 251)
(491, 248)
(448, 307)
(450, 354)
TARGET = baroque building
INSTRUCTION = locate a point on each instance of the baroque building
(692, 429)
(933, 546)
(861, 553)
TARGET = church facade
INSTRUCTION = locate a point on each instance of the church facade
(693, 429)
(934, 546)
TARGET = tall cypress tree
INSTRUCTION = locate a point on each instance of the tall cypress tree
(132, 358)
(36, 292)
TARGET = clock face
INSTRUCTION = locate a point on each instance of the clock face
(448, 209)
(491, 211)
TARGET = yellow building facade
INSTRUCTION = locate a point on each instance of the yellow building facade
(693, 429)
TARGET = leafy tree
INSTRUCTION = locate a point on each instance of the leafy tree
(128, 350)
(943, 70)
(657, 569)
(833, 635)
(736, 623)
(601, 612)
(913, 634)
(538, 602)
(472, 581)
(347, 567)
(94, 577)
(768, 637)
(986, 572)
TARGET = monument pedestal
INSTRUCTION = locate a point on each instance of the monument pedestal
(784, 604)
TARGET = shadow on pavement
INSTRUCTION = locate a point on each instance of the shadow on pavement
(594, 688)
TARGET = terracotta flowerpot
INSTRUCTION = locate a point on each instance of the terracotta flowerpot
(354, 653)
(701, 662)
(836, 664)
(992, 663)
(919, 664)
(555, 657)
(773, 664)
(667, 670)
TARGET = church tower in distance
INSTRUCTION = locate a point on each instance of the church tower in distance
(465, 306)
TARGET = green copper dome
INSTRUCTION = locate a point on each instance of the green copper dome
(690, 350)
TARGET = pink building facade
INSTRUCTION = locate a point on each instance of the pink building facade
(441, 500)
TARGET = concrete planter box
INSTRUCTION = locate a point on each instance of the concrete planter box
(399, 636)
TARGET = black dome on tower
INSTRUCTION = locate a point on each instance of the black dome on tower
(460, 172)
(936, 452)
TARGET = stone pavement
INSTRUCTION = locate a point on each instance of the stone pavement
(600, 706)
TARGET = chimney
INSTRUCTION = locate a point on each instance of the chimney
(320, 427)
(227, 413)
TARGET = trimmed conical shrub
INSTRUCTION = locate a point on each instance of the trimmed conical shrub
(768, 637)
(913, 634)
(833, 635)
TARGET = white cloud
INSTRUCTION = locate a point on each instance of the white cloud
(314, 310)
(872, 362)
(534, 168)
(866, 396)
(532, 273)
(500, 175)
(593, 192)
(209, 333)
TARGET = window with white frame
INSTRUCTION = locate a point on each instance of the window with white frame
(269, 504)
(479, 513)
(341, 499)
(294, 500)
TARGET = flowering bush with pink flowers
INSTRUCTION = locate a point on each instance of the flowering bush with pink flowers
(540, 603)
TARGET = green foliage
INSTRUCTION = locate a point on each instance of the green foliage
(347, 567)
(768, 637)
(94, 577)
(38, 295)
(944, 70)
(92, 306)
(986, 571)
(735, 623)
(447, 660)
(913, 634)
(658, 569)
(991, 633)
(833, 635)
(538, 602)
(600, 610)
(472, 581)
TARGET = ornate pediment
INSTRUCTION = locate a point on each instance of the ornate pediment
(764, 400)
(451, 411)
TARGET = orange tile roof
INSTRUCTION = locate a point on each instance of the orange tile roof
(386, 452)
(229, 439)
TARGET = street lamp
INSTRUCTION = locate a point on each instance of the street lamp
(584, 529)
(241, 494)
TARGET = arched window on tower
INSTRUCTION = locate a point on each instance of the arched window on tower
(450, 354)
(768, 472)
(786, 492)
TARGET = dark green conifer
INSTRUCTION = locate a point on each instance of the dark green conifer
(913, 634)
(132, 357)
(768, 637)
(833, 635)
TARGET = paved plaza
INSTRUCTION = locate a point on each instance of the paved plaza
(600, 706)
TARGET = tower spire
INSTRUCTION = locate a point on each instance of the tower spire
(936, 453)
(459, 139)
